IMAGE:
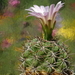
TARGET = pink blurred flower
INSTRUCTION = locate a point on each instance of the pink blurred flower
(54, 32)
(39, 27)
(5, 44)
(8, 13)
(14, 2)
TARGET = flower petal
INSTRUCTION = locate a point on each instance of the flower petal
(37, 7)
(42, 8)
(47, 9)
(58, 6)
(38, 15)
(30, 10)
(51, 11)
(34, 9)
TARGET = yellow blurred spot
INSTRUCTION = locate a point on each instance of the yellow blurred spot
(68, 32)
(28, 37)
(18, 49)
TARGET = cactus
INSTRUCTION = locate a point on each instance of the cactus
(42, 57)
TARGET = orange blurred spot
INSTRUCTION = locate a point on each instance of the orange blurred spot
(72, 5)
(10, 40)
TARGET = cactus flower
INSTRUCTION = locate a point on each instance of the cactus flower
(47, 16)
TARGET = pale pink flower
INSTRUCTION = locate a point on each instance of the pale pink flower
(45, 12)
(14, 2)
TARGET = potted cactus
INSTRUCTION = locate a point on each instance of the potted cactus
(45, 56)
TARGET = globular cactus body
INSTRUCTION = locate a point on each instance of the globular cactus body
(41, 56)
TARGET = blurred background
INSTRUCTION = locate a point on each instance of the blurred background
(15, 28)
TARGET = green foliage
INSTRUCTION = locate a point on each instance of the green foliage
(55, 1)
(3, 3)
(27, 3)
(8, 62)
(42, 55)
